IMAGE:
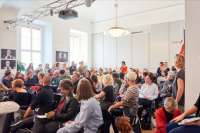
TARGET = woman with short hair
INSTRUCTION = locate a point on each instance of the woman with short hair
(129, 103)
(165, 114)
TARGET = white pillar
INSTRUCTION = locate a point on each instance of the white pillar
(192, 57)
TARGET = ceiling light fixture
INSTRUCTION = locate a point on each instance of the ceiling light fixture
(117, 31)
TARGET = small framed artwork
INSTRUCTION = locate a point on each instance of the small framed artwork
(61, 56)
(8, 64)
(8, 54)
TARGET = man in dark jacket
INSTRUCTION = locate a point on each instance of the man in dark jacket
(66, 110)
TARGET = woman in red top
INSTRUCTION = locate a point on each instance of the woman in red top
(124, 68)
(165, 114)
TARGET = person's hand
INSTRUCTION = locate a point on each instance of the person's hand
(50, 115)
(194, 123)
(109, 109)
(178, 118)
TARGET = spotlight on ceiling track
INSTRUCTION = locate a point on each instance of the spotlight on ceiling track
(88, 3)
(51, 12)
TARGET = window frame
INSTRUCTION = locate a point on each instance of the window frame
(31, 51)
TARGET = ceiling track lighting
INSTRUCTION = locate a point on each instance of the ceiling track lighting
(48, 10)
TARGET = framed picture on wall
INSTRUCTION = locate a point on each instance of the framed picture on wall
(8, 54)
(61, 56)
(8, 64)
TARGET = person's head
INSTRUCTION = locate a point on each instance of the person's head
(123, 124)
(100, 71)
(56, 73)
(47, 65)
(8, 74)
(170, 75)
(94, 79)
(50, 72)
(29, 74)
(123, 63)
(46, 81)
(115, 76)
(161, 64)
(7, 63)
(87, 74)
(107, 80)
(180, 61)
(131, 78)
(19, 75)
(62, 73)
(170, 104)
(57, 65)
(18, 83)
(65, 87)
(84, 90)
(8, 52)
(149, 78)
(75, 77)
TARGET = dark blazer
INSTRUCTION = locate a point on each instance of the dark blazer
(70, 110)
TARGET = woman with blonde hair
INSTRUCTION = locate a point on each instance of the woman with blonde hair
(90, 116)
(106, 97)
(179, 82)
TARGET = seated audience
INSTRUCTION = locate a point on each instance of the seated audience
(165, 114)
(30, 68)
(100, 75)
(148, 91)
(19, 75)
(166, 90)
(66, 110)
(97, 85)
(87, 74)
(55, 80)
(7, 79)
(116, 83)
(129, 103)
(19, 94)
(29, 80)
(75, 80)
(106, 97)
(90, 116)
(42, 104)
(63, 75)
(72, 68)
(188, 127)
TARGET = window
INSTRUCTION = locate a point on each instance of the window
(31, 39)
(78, 46)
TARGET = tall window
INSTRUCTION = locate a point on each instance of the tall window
(31, 39)
(78, 46)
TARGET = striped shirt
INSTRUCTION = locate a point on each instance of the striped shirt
(130, 100)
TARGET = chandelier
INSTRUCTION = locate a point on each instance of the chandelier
(117, 31)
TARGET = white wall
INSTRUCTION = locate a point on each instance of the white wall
(156, 16)
(61, 32)
(192, 51)
(8, 39)
(158, 42)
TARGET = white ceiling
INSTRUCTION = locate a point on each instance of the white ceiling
(101, 10)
